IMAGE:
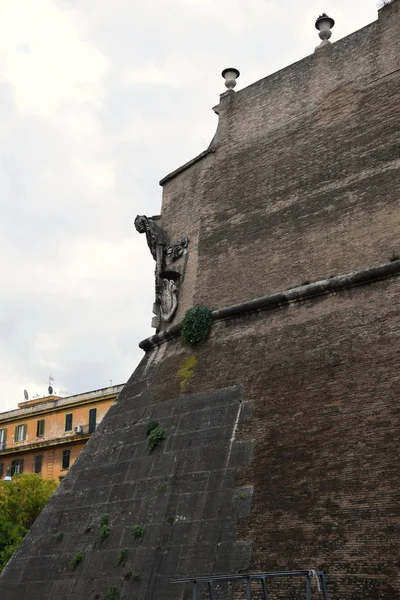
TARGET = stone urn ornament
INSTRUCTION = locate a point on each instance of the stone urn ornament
(230, 75)
(324, 24)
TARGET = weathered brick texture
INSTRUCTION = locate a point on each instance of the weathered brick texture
(281, 429)
(304, 178)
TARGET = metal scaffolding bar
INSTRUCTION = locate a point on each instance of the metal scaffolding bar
(262, 577)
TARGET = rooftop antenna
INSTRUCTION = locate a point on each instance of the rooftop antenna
(50, 388)
(26, 395)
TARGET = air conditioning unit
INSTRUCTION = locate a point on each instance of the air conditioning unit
(78, 429)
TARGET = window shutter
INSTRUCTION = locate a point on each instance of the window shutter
(68, 422)
(3, 438)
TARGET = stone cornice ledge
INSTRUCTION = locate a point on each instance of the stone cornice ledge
(186, 165)
(280, 299)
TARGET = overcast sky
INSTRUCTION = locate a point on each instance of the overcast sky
(98, 101)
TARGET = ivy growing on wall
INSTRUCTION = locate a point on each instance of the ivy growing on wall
(196, 325)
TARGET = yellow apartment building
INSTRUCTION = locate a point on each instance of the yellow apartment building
(45, 435)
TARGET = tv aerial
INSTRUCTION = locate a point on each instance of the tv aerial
(50, 388)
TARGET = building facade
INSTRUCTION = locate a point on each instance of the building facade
(277, 435)
(46, 435)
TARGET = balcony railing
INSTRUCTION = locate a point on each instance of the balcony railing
(310, 577)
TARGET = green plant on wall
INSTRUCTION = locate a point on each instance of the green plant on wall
(196, 325)
(155, 435)
(122, 556)
(150, 426)
(155, 438)
(111, 594)
(104, 527)
(138, 531)
(77, 559)
(162, 489)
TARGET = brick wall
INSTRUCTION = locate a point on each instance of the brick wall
(304, 178)
(303, 182)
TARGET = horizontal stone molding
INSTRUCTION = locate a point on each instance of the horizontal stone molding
(291, 296)
(35, 446)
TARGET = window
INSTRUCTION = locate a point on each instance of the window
(68, 422)
(40, 428)
(66, 458)
(17, 466)
(92, 419)
(37, 463)
(20, 433)
(1, 470)
(3, 438)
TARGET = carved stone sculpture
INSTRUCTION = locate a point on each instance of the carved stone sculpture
(176, 250)
(169, 301)
(155, 239)
(166, 278)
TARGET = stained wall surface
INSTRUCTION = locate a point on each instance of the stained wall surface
(280, 447)
(303, 178)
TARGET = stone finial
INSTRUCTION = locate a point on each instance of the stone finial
(230, 75)
(324, 24)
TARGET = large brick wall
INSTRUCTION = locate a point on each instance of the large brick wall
(280, 449)
(304, 178)
(183, 494)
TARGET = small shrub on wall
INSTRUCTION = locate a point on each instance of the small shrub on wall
(196, 325)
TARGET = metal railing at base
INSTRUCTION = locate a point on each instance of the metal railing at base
(309, 576)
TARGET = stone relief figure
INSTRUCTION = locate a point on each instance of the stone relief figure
(169, 301)
(176, 250)
(166, 280)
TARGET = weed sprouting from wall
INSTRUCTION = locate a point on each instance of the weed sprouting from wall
(111, 594)
(77, 559)
(155, 437)
(196, 325)
(104, 527)
(122, 556)
(150, 426)
(162, 489)
(138, 531)
(59, 537)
